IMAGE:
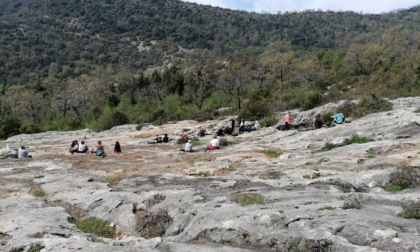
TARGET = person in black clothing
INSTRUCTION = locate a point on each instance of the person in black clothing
(165, 139)
(117, 148)
(318, 121)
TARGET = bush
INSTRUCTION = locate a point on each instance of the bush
(411, 210)
(9, 126)
(96, 226)
(268, 121)
(39, 193)
(403, 178)
(108, 119)
(371, 104)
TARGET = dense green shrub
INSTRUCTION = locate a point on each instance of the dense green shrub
(9, 126)
(268, 121)
(371, 104)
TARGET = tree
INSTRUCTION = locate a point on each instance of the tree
(201, 67)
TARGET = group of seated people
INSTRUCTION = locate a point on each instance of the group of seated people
(75, 147)
(99, 150)
(159, 139)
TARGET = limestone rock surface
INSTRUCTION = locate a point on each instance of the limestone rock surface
(268, 190)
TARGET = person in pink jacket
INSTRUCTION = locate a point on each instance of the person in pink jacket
(287, 120)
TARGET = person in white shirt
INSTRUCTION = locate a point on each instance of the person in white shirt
(214, 144)
(82, 147)
(188, 146)
(23, 153)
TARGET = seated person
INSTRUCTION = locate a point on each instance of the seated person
(74, 147)
(82, 147)
(117, 148)
(214, 144)
(23, 153)
(188, 146)
(318, 121)
(338, 118)
(165, 139)
(257, 125)
(158, 139)
(100, 150)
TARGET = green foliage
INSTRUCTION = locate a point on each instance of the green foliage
(354, 139)
(224, 142)
(271, 175)
(403, 178)
(248, 199)
(108, 119)
(39, 193)
(315, 175)
(269, 121)
(411, 210)
(196, 141)
(9, 126)
(96, 226)
(371, 154)
(271, 153)
(371, 104)
(327, 208)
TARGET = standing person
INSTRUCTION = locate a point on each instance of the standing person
(242, 126)
(318, 121)
(287, 120)
(117, 148)
(23, 153)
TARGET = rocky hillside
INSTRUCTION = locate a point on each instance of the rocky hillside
(267, 190)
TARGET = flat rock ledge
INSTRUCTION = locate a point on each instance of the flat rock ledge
(268, 190)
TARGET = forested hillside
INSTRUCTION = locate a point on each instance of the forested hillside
(67, 64)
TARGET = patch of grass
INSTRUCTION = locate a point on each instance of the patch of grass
(327, 208)
(113, 180)
(248, 199)
(39, 176)
(35, 248)
(224, 142)
(371, 154)
(119, 189)
(354, 139)
(417, 110)
(271, 175)
(411, 210)
(96, 226)
(195, 141)
(231, 168)
(394, 188)
(39, 193)
(271, 153)
(310, 163)
(403, 178)
(313, 176)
